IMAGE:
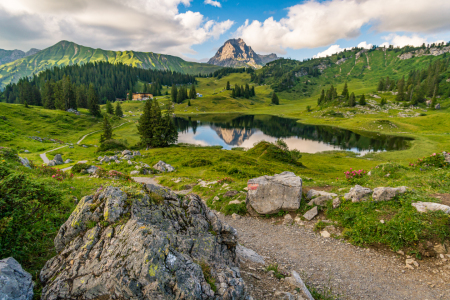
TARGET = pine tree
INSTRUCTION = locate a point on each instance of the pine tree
(433, 103)
(247, 91)
(118, 112)
(189, 102)
(321, 99)
(352, 100)
(92, 98)
(145, 125)
(174, 93)
(193, 92)
(68, 93)
(381, 85)
(130, 95)
(400, 90)
(59, 96)
(228, 86)
(362, 100)
(48, 97)
(170, 133)
(345, 91)
(233, 93)
(383, 102)
(180, 96)
(107, 130)
(81, 97)
(275, 99)
(109, 108)
(157, 126)
(252, 94)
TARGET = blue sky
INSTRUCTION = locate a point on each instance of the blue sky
(195, 29)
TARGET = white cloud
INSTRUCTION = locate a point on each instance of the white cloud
(317, 24)
(404, 40)
(142, 25)
(365, 45)
(330, 51)
(213, 3)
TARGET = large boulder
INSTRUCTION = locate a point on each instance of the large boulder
(431, 206)
(25, 162)
(126, 152)
(15, 283)
(143, 244)
(270, 194)
(58, 159)
(358, 193)
(387, 193)
(163, 167)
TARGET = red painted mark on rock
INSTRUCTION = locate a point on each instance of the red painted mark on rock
(252, 186)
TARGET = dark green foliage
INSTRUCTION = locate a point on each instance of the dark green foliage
(276, 272)
(197, 162)
(77, 168)
(109, 108)
(226, 71)
(345, 93)
(118, 112)
(174, 93)
(275, 99)
(189, 102)
(192, 92)
(383, 102)
(362, 100)
(277, 152)
(240, 209)
(401, 90)
(108, 145)
(228, 86)
(107, 130)
(92, 98)
(352, 100)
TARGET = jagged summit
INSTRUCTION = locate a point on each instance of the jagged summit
(236, 53)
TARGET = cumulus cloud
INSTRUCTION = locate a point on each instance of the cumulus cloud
(330, 51)
(404, 40)
(365, 45)
(213, 3)
(142, 25)
(317, 24)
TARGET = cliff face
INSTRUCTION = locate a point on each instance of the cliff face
(7, 56)
(236, 53)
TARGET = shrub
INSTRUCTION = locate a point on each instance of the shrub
(354, 176)
(277, 273)
(54, 173)
(276, 151)
(113, 145)
(434, 160)
(197, 162)
(77, 168)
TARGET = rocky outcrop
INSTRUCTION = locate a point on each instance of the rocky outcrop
(313, 193)
(431, 206)
(270, 194)
(7, 56)
(25, 162)
(163, 167)
(387, 193)
(15, 282)
(148, 244)
(358, 193)
(236, 53)
(423, 52)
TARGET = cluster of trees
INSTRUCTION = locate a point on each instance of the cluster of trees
(225, 71)
(331, 95)
(153, 88)
(110, 81)
(242, 91)
(117, 111)
(181, 94)
(156, 130)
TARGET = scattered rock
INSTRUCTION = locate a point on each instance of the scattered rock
(58, 158)
(288, 220)
(153, 253)
(270, 194)
(321, 200)
(129, 162)
(296, 281)
(437, 106)
(440, 249)
(127, 157)
(387, 193)
(336, 202)
(91, 169)
(431, 206)
(313, 193)
(134, 173)
(400, 252)
(163, 167)
(235, 216)
(358, 193)
(15, 282)
(310, 214)
(249, 255)
(26, 151)
(216, 198)
(230, 194)
(25, 162)
(325, 234)
(68, 161)
(136, 153)
(284, 296)
(235, 202)
(126, 152)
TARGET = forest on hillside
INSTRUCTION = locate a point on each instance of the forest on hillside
(68, 87)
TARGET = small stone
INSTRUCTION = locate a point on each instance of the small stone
(235, 216)
(382, 221)
(288, 220)
(310, 214)
(325, 234)
(400, 252)
(336, 202)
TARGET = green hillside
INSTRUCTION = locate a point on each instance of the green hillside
(67, 53)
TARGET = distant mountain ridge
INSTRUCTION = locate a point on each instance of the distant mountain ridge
(68, 53)
(236, 53)
(7, 56)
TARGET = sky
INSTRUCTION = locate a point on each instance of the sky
(196, 29)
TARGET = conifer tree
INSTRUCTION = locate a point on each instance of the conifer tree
(180, 96)
(130, 95)
(81, 97)
(321, 99)
(174, 93)
(48, 97)
(362, 100)
(252, 91)
(170, 133)
(92, 98)
(381, 85)
(383, 102)
(352, 100)
(189, 102)
(400, 90)
(275, 99)
(233, 93)
(109, 108)
(107, 130)
(247, 91)
(228, 86)
(118, 112)
(345, 91)
(193, 92)
(145, 125)
(59, 96)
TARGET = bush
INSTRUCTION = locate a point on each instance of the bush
(77, 168)
(434, 160)
(197, 162)
(276, 151)
(113, 145)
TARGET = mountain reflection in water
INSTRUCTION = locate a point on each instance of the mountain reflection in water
(245, 131)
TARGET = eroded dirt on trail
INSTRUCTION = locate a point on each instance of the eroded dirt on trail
(328, 263)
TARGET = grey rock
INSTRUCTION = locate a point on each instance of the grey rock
(113, 157)
(136, 153)
(235, 216)
(68, 161)
(235, 202)
(247, 254)
(431, 206)
(58, 158)
(129, 162)
(336, 202)
(99, 158)
(84, 146)
(151, 251)
(270, 194)
(287, 220)
(91, 169)
(387, 193)
(25, 162)
(296, 281)
(163, 167)
(26, 151)
(126, 152)
(321, 200)
(358, 193)
(105, 159)
(117, 161)
(15, 282)
(134, 173)
(310, 214)
(446, 156)
(51, 163)
(284, 296)
(127, 157)
(230, 194)
(437, 106)
(313, 193)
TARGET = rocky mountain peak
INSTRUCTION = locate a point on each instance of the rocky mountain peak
(236, 53)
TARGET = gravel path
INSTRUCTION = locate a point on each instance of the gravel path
(69, 168)
(44, 156)
(352, 272)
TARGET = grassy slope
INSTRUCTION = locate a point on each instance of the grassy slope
(67, 53)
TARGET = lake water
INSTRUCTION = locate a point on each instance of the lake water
(244, 131)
